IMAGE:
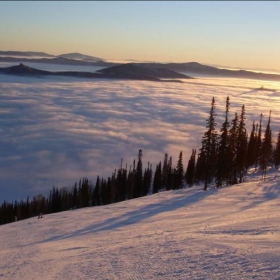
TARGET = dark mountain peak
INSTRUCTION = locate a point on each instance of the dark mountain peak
(193, 63)
(22, 66)
(143, 69)
(22, 69)
(196, 65)
(80, 56)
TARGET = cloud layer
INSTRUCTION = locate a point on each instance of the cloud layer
(52, 132)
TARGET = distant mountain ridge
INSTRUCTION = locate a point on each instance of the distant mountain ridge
(19, 53)
(141, 69)
(192, 68)
(23, 70)
(197, 68)
(57, 60)
(79, 56)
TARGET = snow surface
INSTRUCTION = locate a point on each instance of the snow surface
(228, 233)
(57, 130)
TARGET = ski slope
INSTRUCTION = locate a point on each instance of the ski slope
(228, 233)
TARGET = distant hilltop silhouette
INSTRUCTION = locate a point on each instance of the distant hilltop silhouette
(127, 71)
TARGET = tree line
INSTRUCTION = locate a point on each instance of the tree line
(223, 159)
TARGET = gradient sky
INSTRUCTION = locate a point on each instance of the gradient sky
(234, 34)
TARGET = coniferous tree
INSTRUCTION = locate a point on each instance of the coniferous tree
(96, 193)
(223, 158)
(170, 179)
(122, 183)
(252, 147)
(165, 171)
(157, 179)
(105, 191)
(49, 206)
(266, 149)
(147, 180)
(179, 173)
(75, 196)
(133, 181)
(276, 153)
(85, 190)
(16, 210)
(118, 183)
(199, 172)
(190, 172)
(208, 151)
(174, 178)
(241, 146)
(129, 184)
(259, 143)
(232, 179)
(113, 187)
(139, 176)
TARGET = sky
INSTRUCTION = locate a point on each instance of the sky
(230, 33)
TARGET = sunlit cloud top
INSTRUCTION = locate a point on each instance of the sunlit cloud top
(57, 130)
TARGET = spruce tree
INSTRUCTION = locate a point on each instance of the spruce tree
(223, 159)
(147, 180)
(114, 188)
(165, 172)
(85, 192)
(105, 191)
(232, 178)
(157, 179)
(208, 150)
(179, 173)
(122, 182)
(252, 147)
(199, 173)
(75, 196)
(190, 172)
(276, 153)
(131, 181)
(170, 177)
(241, 146)
(266, 149)
(133, 186)
(139, 176)
(259, 143)
(96, 193)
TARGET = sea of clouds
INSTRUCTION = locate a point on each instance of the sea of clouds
(54, 131)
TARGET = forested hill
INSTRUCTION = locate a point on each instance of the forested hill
(197, 68)
(143, 69)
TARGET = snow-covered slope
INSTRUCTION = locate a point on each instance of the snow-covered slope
(228, 233)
